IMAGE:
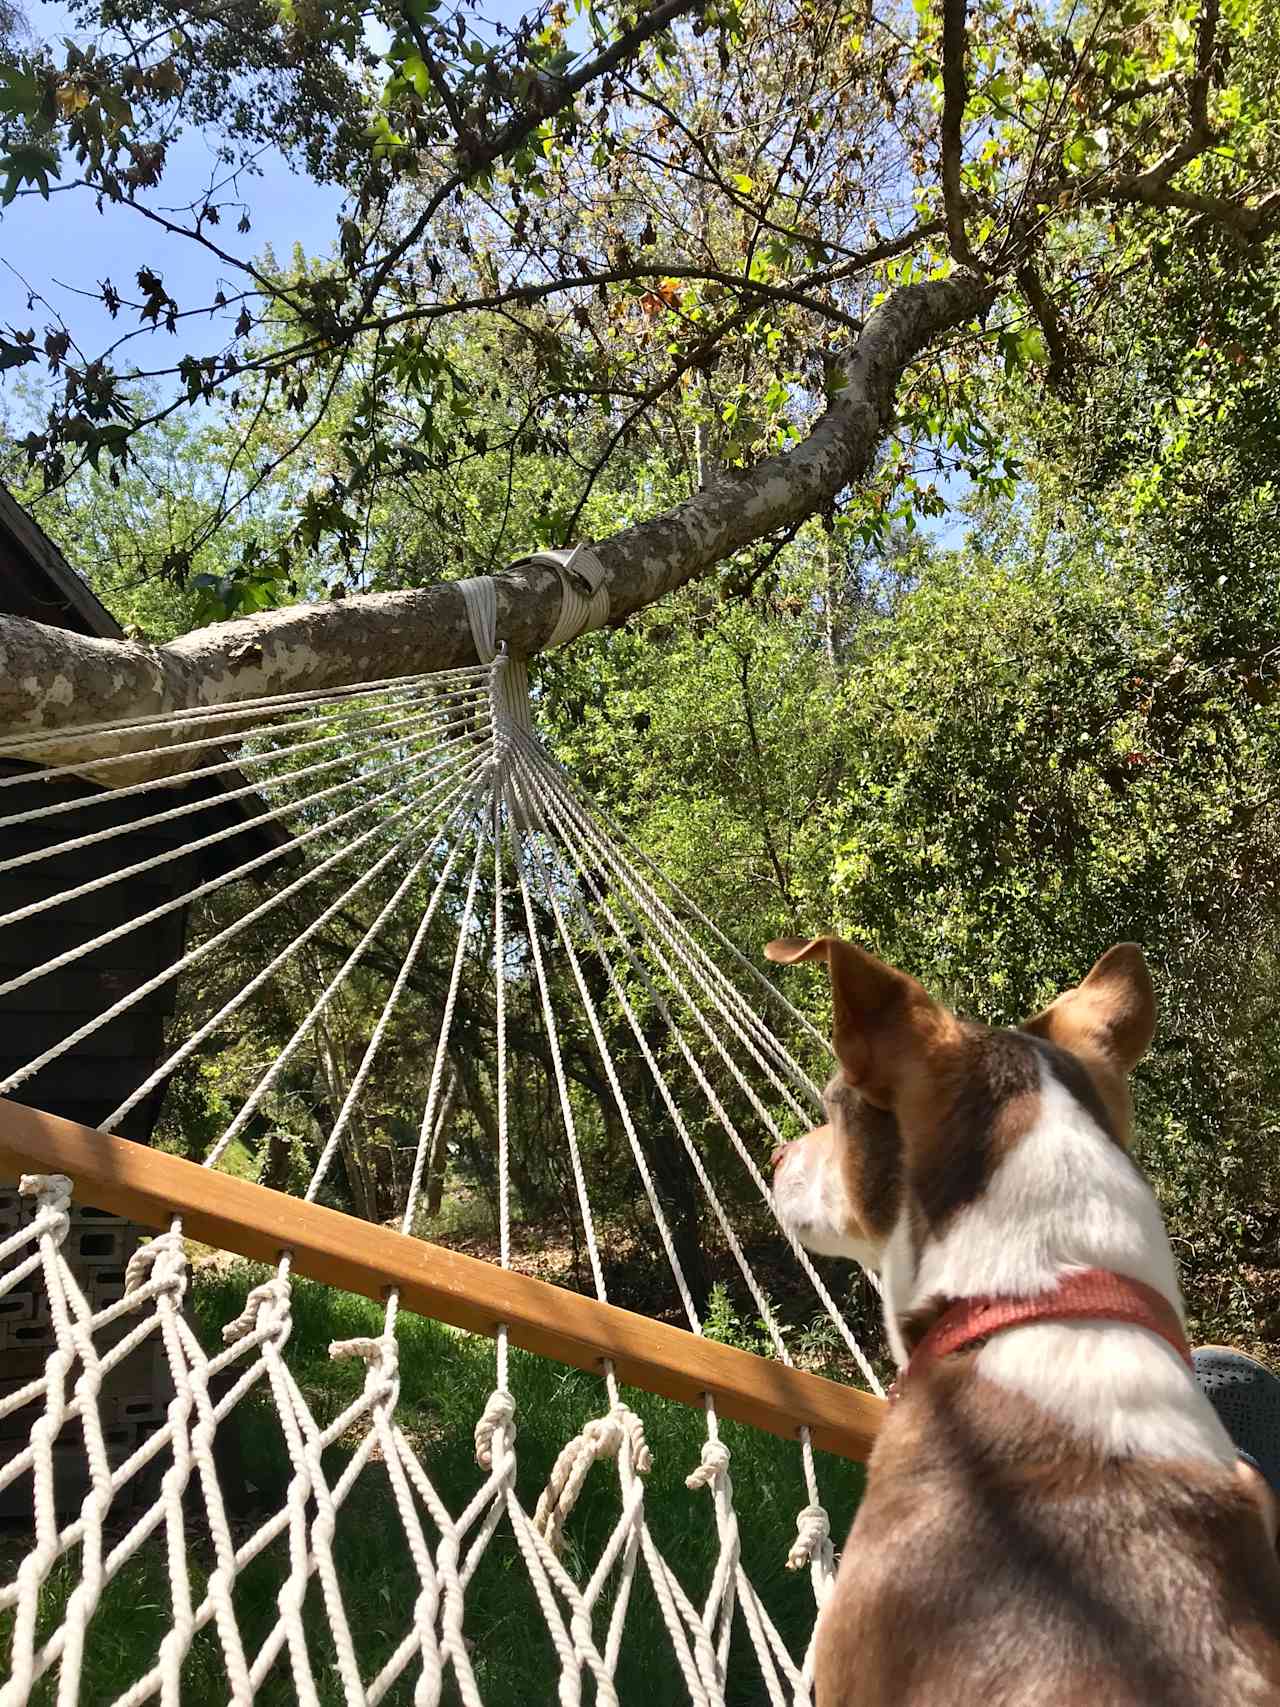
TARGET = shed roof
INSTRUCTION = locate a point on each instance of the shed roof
(36, 580)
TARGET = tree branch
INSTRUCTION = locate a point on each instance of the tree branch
(690, 359)
(1249, 221)
(522, 126)
(954, 95)
(51, 679)
(1042, 306)
(757, 753)
(438, 80)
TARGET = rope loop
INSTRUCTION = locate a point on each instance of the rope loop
(714, 1465)
(499, 1417)
(164, 1260)
(382, 1359)
(812, 1545)
(601, 1438)
(641, 1457)
(270, 1302)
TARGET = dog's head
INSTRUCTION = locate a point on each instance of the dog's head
(924, 1106)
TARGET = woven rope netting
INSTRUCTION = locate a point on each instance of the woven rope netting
(426, 811)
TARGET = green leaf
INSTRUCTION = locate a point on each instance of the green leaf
(27, 164)
(413, 69)
(21, 90)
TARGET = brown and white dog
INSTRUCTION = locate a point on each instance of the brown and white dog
(1052, 1515)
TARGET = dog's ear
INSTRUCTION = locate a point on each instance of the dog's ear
(1112, 1013)
(882, 1021)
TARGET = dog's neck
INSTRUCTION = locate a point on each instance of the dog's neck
(1064, 1197)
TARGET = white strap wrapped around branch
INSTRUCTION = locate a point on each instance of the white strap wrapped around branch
(584, 598)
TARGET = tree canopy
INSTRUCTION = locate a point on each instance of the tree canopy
(798, 245)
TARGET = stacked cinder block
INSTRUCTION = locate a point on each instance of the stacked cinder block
(134, 1396)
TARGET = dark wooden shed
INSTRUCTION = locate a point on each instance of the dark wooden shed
(94, 1076)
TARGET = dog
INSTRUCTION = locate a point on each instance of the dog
(1052, 1513)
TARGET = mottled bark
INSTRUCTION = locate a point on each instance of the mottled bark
(52, 680)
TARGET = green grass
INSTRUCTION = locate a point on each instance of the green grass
(445, 1379)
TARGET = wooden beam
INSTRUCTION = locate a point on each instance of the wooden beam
(236, 1215)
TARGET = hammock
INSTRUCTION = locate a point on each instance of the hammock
(417, 795)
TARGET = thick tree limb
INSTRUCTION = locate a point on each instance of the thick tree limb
(1248, 219)
(51, 679)
(1154, 187)
(954, 95)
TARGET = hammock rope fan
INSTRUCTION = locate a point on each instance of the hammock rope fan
(413, 797)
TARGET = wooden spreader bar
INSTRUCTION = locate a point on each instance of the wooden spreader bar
(235, 1215)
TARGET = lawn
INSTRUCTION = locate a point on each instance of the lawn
(445, 1379)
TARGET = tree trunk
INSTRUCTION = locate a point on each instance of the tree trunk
(681, 1198)
(439, 1157)
(51, 679)
(354, 1146)
(482, 1113)
(278, 1162)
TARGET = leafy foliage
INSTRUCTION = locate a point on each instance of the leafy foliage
(649, 226)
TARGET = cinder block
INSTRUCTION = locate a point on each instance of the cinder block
(15, 1210)
(21, 1252)
(24, 1366)
(104, 1286)
(17, 1425)
(83, 1212)
(134, 1397)
(70, 1483)
(144, 1411)
(21, 1336)
(99, 1243)
(18, 1305)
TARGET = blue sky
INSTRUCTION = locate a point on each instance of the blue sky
(64, 245)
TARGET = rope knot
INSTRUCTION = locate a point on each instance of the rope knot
(641, 1457)
(270, 1302)
(382, 1360)
(714, 1465)
(165, 1253)
(499, 1416)
(52, 1193)
(812, 1545)
(601, 1438)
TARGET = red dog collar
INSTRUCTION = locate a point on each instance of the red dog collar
(1091, 1294)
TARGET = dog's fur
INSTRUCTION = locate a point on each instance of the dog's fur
(1052, 1517)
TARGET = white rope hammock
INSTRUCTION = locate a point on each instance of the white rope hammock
(419, 794)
